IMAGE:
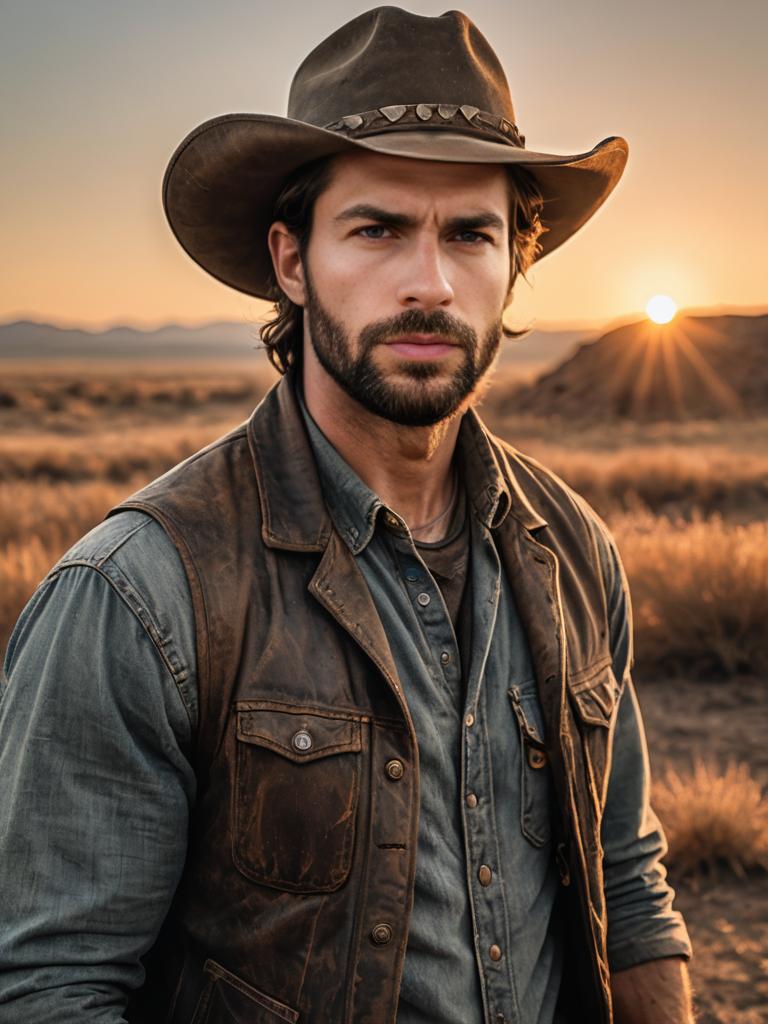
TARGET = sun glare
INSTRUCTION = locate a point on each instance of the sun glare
(660, 309)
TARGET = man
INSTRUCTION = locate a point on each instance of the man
(334, 722)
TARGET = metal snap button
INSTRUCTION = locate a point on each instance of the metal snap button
(485, 875)
(423, 600)
(445, 657)
(469, 721)
(536, 758)
(302, 740)
(394, 769)
(494, 953)
(381, 934)
(471, 800)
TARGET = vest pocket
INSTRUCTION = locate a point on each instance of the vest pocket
(295, 796)
(534, 768)
(227, 999)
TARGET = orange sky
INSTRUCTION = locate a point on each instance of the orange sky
(101, 94)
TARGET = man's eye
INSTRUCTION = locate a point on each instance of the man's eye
(477, 237)
(372, 227)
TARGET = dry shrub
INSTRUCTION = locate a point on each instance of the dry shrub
(699, 594)
(713, 820)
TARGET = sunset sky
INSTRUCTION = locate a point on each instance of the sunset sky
(98, 93)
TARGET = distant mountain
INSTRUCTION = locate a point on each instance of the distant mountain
(26, 340)
(696, 367)
(29, 341)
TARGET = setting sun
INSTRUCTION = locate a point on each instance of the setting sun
(660, 309)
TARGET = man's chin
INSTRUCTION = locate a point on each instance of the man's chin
(415, 410)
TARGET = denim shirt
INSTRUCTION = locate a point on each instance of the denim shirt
(98, 713)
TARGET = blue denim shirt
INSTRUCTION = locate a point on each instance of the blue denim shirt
(97, 715)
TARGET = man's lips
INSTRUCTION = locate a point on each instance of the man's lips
(421, 346)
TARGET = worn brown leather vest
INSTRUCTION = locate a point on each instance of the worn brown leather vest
(295, 900)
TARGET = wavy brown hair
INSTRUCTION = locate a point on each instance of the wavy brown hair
(282, 335)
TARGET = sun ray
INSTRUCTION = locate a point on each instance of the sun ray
(721, 392)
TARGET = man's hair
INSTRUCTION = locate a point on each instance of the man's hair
(282, 335)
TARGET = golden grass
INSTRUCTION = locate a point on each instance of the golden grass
(663, 478)
(712, 820)
(111, 455)
(699, 594)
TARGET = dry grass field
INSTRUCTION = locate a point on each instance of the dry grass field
(687, 502)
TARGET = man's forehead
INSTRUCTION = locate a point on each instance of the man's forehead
(378, 178)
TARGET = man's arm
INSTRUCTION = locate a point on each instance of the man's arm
(655, 992)
(96, 787)
(648, 944)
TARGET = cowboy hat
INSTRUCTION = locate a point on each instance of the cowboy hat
(389, 82)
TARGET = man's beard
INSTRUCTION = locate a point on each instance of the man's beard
(362, 380)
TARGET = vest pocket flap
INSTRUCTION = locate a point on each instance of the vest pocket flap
(299, 736)
(594, 691)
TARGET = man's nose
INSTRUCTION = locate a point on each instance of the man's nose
(424, 280)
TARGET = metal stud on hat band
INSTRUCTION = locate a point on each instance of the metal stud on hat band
(465, 119)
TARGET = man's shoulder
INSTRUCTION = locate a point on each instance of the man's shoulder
(547, 492)
(131, 535)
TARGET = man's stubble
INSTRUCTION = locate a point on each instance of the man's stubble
(361, 379)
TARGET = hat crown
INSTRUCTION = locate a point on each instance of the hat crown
(388, 57)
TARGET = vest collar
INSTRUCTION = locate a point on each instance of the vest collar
(294, 514)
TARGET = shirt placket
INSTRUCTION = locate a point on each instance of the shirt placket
(432, 614)
(485, 882)
(484, 877)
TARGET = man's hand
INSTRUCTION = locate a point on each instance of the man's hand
(655, 992)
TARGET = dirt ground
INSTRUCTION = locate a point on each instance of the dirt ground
(727, 918)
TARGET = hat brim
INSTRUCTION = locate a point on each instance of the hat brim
(222, 182)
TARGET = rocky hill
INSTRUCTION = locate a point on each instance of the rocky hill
(696, 367)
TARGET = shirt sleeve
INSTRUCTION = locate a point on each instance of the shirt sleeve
(97, 788)
(642, 924)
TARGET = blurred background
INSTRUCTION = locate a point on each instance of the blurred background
(119, 356)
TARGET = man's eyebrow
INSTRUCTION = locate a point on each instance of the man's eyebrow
(364, 211)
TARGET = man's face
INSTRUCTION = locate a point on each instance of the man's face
(406, 276)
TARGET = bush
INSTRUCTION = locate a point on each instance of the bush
(713, 820)
(699, 594)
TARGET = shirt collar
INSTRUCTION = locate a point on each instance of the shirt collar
(354, 507)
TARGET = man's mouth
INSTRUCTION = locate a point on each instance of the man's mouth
(422, 346)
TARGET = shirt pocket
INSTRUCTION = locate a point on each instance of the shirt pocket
(535, 779)
(296, 793)
(594, 691)
(594, 694)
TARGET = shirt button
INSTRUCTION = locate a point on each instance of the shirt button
(469, 721)
(381, 934)
(484, 874)
(536, 758)
(412, 576)
(423, 600)
(445, 657)
(302, 740)
(471, 800)
(394, 769)
(494, 952)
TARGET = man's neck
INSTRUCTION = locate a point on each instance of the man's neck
(408, 467)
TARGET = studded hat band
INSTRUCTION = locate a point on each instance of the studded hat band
(463, 119)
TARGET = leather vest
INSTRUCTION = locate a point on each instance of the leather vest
(295, 899)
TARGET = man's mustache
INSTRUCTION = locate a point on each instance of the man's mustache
(413, 321)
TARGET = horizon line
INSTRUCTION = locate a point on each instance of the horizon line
(551, 324)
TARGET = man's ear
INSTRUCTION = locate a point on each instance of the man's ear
(286, 260)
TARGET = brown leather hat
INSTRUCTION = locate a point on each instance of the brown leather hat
(387, 81)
